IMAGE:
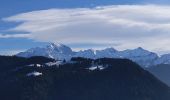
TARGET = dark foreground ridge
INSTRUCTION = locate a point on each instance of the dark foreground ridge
(113, 79)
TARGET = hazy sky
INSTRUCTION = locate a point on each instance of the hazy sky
(81, 24)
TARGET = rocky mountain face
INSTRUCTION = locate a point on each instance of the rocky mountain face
(139, 55)
(55, 51)
(79, 79)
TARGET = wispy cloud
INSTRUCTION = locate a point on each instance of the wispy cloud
(15, 35)
(129, 25)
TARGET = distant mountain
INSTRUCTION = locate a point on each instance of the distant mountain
(164, 59)
(79, 79)
(55, 51)
(139, 55)
(162, 72)
(94, 54)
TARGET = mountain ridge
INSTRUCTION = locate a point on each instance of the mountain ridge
(119, 79)
(58, 51)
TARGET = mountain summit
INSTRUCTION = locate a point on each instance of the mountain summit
(141, 56)
(55, 51)
(58, 51)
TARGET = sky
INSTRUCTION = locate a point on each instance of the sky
(82, 24)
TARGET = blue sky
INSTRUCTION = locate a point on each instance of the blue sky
(11, 8)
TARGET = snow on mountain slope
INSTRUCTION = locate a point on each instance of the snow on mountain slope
(140, 56)
(107, 53)
(34, 74)
(94, 54)
(90, 53)
(164, 59)
(56, 51)
(60, 52)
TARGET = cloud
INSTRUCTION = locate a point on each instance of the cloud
(128, 25)
(15, 35)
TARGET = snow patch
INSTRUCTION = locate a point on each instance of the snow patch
(31, 65)
(56, 63)
(34, 74)
(36, 65)
(94, 67)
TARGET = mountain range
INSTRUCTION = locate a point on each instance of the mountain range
(139, 55)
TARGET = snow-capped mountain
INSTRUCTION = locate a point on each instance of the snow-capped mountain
(91, 53)
(107, 53)
(139, 55)
(164, 59)
(55, 51)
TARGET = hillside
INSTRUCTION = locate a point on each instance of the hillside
(80, 79)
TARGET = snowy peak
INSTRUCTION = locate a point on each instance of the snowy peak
(53, 45)
(58, 51)
(90, 53)
(140, 48)
(135, 52)
(108, 53)
(110, 50)
(60, 48)
(94, 54)
(139, 55)
(56, 46)
(55, 51)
